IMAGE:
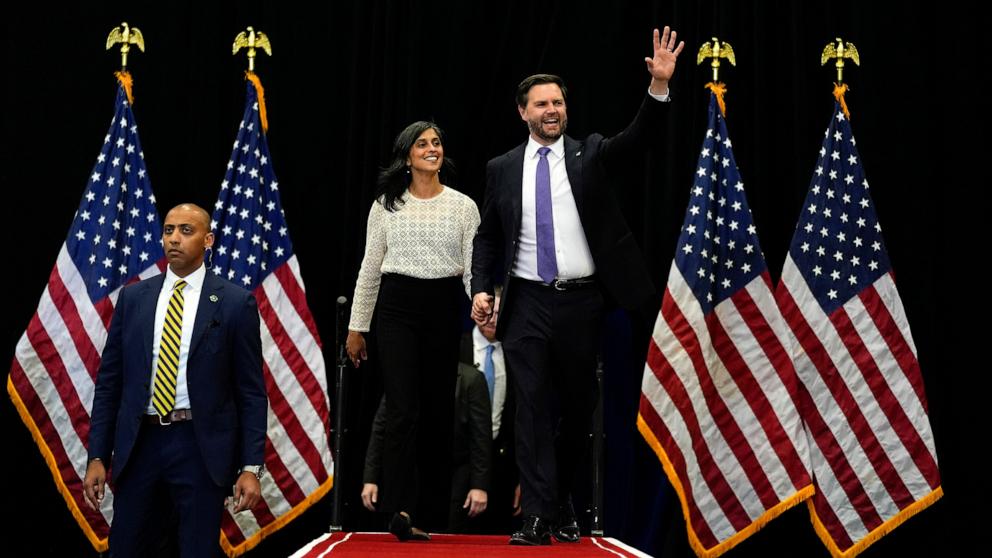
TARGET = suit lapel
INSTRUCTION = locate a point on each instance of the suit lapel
(515, 182)
(211, 296)
(573, 167)
(147, 306)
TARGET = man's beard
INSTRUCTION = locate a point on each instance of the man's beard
(537, 129)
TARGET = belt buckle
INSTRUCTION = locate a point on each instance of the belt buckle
(164, 423)
(559, 284)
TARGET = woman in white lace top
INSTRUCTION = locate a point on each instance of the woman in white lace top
(415, 273)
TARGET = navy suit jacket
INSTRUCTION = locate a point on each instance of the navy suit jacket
(619, 265)
(223, 376)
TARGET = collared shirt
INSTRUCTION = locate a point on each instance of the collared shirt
(572, 252)
(479, 344)
(191, 300)
(571, 248)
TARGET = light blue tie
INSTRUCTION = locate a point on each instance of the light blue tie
(489, 370)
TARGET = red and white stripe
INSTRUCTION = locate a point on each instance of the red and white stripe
(52, 379)
(297, 456)
(865, 410)
(718, 404)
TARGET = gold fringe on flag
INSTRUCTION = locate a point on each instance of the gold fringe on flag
(878, 532)
(233, 551)
(839, 90)
(697, 546)
(124, 78)
(100, 545)
(250, 76)
(719, 89)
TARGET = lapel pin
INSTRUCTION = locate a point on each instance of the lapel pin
(578, 153)
(213, 298)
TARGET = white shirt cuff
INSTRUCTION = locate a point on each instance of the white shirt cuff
(663, 98)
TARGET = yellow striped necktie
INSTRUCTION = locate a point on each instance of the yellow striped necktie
(164, 393)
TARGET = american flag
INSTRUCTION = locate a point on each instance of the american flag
(718, 398)
(115, 238)
(864, 406)
(253, 249)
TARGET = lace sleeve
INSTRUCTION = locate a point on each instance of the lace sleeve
(470, 224)
(370, 274)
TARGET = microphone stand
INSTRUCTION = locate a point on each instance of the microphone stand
(337, 428)
(598, 465)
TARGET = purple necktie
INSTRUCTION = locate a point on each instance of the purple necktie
(547, 265)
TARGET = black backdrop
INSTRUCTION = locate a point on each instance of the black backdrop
(345, 77)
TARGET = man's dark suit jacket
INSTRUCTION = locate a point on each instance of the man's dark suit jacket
(619, 265)
(223, 376)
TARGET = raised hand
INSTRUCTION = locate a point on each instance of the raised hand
(661, 66)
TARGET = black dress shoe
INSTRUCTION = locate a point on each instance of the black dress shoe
(534, 532)
(566, 528)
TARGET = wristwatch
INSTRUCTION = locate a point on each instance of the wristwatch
(257, 470)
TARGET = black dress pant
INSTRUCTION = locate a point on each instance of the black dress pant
(550, 343)
(419, 332)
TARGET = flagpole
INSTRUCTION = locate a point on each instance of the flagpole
(253, 248)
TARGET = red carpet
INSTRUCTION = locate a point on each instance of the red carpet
(384, 545)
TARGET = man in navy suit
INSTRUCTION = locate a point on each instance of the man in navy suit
(551, 225)
(180, 403)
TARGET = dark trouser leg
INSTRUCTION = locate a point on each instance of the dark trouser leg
(457, 518)
(397, 342)
(139, 511)
(199, 500)
(577, 339)
(526, 348)
(551, 342)
(440, 337)
(418, 328)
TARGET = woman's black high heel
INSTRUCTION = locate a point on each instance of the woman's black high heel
(402, 528)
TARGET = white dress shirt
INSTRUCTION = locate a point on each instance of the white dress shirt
(571, 248)
(191, 300)
(479, 344)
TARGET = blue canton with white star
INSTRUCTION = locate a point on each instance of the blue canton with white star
(718, 251)
(838, 242)
(248, 221)
(116, 233)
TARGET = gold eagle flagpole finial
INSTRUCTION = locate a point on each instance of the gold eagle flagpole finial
(251, 39)
(716, 50)
(127, 36)
(840, 50)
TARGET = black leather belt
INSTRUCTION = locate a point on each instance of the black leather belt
(179, 415)
(566, 284)
(570, 284)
